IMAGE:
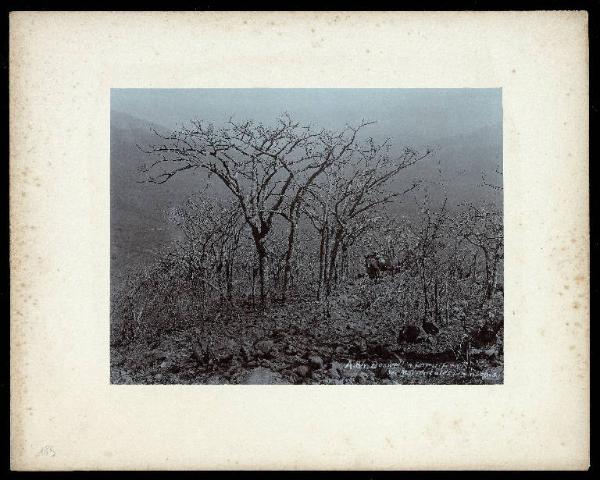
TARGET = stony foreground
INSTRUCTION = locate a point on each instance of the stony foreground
(303, 343)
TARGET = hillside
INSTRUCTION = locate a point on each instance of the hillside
(139, 227)
(138, 224)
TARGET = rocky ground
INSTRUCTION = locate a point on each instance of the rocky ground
(305, 342)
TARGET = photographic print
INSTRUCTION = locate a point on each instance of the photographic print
(242, 222)
(306, 236)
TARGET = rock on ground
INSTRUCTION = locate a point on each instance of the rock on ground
(262, 376)
(316, 362)
(264, 347)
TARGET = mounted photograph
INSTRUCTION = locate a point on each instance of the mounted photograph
(306, 236)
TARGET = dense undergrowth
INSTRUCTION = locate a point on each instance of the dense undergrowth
(371, 331)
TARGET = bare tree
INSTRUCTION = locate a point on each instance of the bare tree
(429, 246)
(267, 169)
(342, 207)
(483, 228)
(211, 230)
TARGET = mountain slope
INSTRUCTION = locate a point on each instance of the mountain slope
(139, 226)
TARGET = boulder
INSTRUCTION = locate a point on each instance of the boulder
(379, 350)
(316, 362)
(225, 358)
(170, 366)
(483, 353)
(262, 376)
(339, 367)
(430, 327)
(200, 353)
(382, 372)
(155, 356)
(409, 334)
(264, 347)
(245, 354)
(359, 347)
(483, 336)
(216, 380)
(123, 378)
(303, 371)
(362, 378)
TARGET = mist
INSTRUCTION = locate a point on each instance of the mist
(414, 116)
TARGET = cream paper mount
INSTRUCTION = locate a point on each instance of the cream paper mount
(65, 412)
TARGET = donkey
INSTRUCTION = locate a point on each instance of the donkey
(377, 263)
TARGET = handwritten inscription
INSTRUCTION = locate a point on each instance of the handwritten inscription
(47, 451)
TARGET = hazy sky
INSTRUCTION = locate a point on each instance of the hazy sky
(406, 115)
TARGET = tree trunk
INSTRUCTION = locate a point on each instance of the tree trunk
(326, 257)
(436, 313)
(494, 273)
(261, 252)
(344, 267)
(321, 264)
(229, 278)
(473, 274)
(288, 259)
(424, 285)
(261, 277)
(446, 294)
(333, 263)
(488, 277)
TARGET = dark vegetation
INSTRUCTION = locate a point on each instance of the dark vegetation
(296, 268)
